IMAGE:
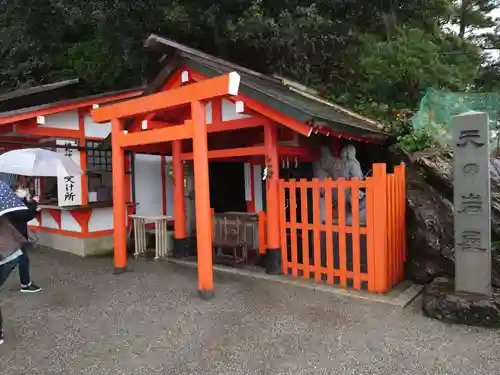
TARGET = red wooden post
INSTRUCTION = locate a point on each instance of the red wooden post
(262, 232)
(180, 233)
(83, 158)
(380, 228)
(403, 214)
(202, 201)
(273, 257)
(119, 204)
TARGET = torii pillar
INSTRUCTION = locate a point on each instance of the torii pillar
(273, 252)
(180, 232)
(202, 202)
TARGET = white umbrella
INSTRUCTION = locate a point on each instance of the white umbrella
(38, 162)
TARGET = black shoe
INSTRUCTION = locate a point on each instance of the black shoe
(31, 288)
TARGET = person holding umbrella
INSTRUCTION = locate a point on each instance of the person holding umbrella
(19, 219)
(32, 162)
(11, 241)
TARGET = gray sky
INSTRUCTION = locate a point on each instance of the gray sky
(494, 14)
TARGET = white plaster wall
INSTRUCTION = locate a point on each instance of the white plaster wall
(248, 181)
(79, 246)
(258, 199)
(148, 185)
(95, 130)
(62, 120)
(48, 221)
(34, 223)
(229, 111)
(170, 195)
(208, 113)
(169, 190)
(257, 178)
(62, 243)
(101, 219)
(189, 199)
(69, 223)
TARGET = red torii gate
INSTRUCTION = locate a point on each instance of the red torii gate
(195, 95)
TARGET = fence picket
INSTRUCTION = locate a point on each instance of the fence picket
(327, 189)
(292, 206)
(403, 215)
(397, 221)
(305, 231)
(370, 237)
(401, 218)
(284, 240)
(342, 184)
(356, 251)
(391, 229)
(316, 229)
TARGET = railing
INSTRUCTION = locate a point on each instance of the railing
(358, 242)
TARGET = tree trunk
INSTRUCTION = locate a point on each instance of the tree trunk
(463, 18)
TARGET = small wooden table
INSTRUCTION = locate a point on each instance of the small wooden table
(160, 222)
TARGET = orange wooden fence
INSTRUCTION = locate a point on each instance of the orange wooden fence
(357, 242)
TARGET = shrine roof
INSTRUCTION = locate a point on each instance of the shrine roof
(288, 97)
(51, 105)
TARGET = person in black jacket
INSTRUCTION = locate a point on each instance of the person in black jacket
(11, 243)
(20, 219)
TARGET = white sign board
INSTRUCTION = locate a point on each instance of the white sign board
(69, 188)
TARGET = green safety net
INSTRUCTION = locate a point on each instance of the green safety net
(437, 108)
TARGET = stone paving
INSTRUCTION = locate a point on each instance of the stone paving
(150, 321)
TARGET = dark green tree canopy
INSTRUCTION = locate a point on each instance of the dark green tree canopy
(375, 56)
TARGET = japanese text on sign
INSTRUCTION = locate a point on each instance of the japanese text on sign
(69, 195)
(470, 203)
(69, 188)
(67, 150)
(471, 198)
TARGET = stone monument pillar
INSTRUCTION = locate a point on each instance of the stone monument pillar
(469, 298)
(472, 201)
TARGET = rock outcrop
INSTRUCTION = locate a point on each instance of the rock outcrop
(441, 301)
(430, 216)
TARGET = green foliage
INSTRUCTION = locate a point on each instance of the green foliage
(374, 56)
(396, 71)
(421, 138)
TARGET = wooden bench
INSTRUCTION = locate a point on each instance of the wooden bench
(232, 238)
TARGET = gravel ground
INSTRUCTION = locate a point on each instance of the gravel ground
(150, 321)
